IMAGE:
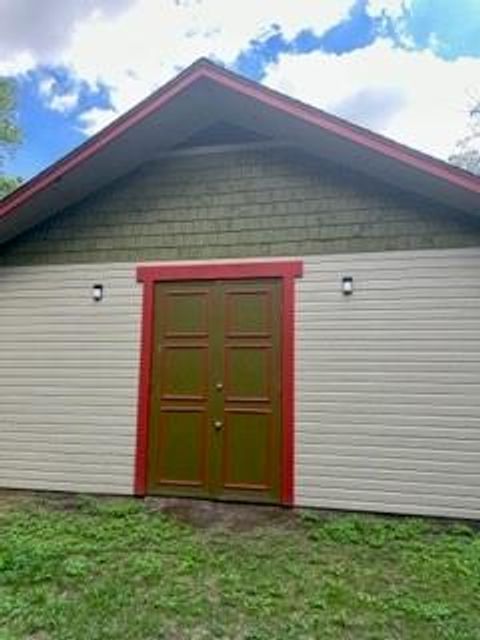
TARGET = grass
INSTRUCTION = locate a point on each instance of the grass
(118, 570)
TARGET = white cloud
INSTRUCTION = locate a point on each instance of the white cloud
(17, 63)
(393, 8)
(425, 98)
(64, 102)
(133, 46)
(46, 86)
(153, 39)
(394, 15)
(95, 119)
(55, 97)
(42, 29)
(373, 107)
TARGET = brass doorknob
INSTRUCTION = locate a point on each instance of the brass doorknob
(218, 424)
(219, 386)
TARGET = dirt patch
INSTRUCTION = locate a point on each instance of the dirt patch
(205, 514)
(11, 499)
(53, 500)
(202, 514)
(60, 501)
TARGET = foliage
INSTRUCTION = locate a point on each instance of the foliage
(113, 569)
(467, 153)
(8, 184)
(10, 134)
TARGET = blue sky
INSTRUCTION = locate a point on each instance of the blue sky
(406, 68)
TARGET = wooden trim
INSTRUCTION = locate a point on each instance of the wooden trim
(288, 390)
(287, 270)
(145, 377)
(219, 271)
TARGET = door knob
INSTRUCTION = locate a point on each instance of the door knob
(219, 386)
(218, 424)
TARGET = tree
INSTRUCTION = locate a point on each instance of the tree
(467, 152)
(10, 134)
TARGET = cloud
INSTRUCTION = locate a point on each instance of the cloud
(95, 119)
(411, 96)
(372, 107)
(56, 97)
(46, 86)
(393, 8)
(133, 46)
(43, 29)
(64, 102)
(153, 39)
(126, 48)
(450, 29)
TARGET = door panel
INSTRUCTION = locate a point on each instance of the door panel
(180, 404)
(247, 372)
(246, 450)
(181, 458)
(248, 313)
(215, 425)
(184, 372)
(250, 361)
(186, 313)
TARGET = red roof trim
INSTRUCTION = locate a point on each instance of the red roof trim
(347, 130)
(100, 140)
(205, 69)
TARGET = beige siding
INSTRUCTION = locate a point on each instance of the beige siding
(388, 383)
(68, 377)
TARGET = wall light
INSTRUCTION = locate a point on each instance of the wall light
(347, 285)
(97, 292)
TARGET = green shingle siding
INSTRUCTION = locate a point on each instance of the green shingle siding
(240, 204)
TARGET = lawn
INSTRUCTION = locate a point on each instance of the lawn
(121, 569)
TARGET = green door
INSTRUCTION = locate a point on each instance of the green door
(215, 423)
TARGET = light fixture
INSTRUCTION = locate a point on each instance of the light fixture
(97, 292)
(347, 285)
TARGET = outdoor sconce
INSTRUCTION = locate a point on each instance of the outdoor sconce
(97, 292)
(347, 285)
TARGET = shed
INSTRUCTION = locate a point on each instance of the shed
(229, 294)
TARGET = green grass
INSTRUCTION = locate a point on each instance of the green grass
(117, 570)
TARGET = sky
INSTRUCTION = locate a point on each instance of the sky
(409, 69)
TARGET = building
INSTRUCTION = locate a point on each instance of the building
(230, 294)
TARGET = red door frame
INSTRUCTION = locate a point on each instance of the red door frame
(287, 270)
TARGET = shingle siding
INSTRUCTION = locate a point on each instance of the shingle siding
(240, 204)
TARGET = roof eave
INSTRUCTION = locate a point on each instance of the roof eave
(416, 163)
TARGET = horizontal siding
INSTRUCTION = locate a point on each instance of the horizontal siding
(68, 377)
(388, 383)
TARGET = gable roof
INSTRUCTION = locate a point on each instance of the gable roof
(198, 97)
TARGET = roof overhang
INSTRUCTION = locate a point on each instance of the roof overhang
(201, 95)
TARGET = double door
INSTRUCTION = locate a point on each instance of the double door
(215, 423)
